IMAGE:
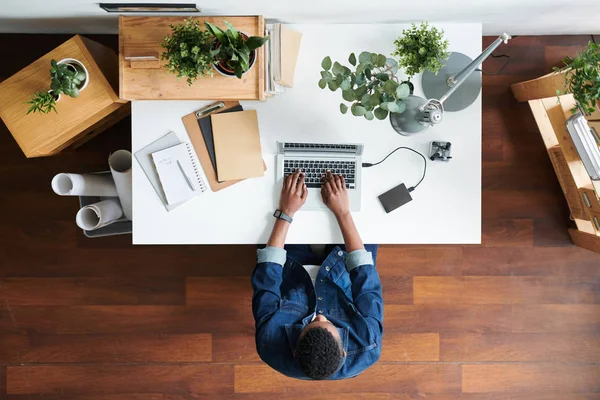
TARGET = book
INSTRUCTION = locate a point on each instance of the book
(237, 145)
(289, 47)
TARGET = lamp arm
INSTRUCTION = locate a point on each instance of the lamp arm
(455, 81)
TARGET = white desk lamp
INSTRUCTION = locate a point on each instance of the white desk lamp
(420, 113)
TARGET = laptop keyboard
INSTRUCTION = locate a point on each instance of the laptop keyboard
(315, 169)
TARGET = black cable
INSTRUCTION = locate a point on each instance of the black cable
(501, 68)
(410, 189)
(593, 39)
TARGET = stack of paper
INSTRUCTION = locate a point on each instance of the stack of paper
(281, 57)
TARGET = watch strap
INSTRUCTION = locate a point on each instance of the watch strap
(281, 215)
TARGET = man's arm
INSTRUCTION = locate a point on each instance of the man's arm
(267, 275)
(366, 286)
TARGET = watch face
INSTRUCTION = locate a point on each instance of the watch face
(277, 213)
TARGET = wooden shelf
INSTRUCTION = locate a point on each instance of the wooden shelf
(77, 119)
(141, 36)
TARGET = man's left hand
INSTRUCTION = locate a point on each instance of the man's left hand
(293, 193)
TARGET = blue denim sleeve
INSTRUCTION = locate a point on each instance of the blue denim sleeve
(266, 281)
(357, 258)
(368, 300)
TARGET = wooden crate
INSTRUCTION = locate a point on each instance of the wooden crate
(77, 119)
(141, 36)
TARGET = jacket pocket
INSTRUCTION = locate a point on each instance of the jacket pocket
(290, 306)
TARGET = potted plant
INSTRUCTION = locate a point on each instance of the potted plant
(235, 51)
(188, 51)
(582, 77)
(372, 88)
(69, 76)
(419, 48)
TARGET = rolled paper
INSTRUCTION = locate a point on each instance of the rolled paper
(67, 184)
(99, 214)
(120, 167)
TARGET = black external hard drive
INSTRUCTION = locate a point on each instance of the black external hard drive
(394, 198)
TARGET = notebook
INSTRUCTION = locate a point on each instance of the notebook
(237, 145)
(288, 55)
(178, 173)
(207, 133)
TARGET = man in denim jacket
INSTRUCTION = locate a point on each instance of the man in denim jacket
(317, 316)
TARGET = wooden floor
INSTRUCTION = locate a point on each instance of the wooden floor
(515, 318)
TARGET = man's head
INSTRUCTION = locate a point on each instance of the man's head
(320, 351)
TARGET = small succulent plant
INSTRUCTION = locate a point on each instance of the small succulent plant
(420, 48)
(234, 49)
(188, 51)
(65, 79)
(372, 87)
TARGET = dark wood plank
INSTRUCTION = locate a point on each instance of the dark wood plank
(234, 349)
(397, 289)
(518, 318)
(521, 347)
(133, 319)
(221, 396)
(78, 380)
(499, 396)
(141, 348)
(504, 290)
(554, 378)
(379, 378)
(410, 347)
(215, 292)
(563, 262)
(92, 291)
(507, 232)
(418, 260)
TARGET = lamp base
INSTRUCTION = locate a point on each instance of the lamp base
(435, 86)
(407, 123)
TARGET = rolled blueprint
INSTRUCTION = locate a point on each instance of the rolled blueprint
(120, 167)
(99, 214)
(84, 185)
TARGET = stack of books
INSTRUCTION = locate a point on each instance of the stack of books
(281, 57)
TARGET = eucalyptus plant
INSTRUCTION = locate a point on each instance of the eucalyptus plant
(188, 51)
(371, 87)
(582, 77)
(420, 48)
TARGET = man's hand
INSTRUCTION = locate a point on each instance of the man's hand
(335, 194)
(293, 193)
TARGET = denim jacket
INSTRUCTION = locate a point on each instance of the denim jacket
(347, 292)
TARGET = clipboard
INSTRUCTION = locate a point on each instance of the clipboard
(192, 126)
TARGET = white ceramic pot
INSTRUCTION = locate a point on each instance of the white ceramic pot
(77, 65)
(57, 97)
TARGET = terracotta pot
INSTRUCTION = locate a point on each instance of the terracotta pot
(221, 65)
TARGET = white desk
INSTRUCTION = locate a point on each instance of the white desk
(446, 208)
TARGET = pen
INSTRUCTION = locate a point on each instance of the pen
(185, 176)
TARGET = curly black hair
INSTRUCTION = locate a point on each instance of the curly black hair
(319, 353)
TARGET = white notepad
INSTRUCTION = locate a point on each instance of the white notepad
(178, 173)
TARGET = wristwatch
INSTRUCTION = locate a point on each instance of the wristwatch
(281, 215)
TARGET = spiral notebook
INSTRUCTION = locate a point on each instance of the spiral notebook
(178, 173)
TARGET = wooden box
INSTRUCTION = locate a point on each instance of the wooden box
(77, 119)
(141, 37)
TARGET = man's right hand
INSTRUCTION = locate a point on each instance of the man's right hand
(335, 194)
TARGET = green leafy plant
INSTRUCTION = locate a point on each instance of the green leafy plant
(65, 79)
(421, 47)
(233, 49)
(372, 88)
(188, 51)
(582, 77)
(42, 102)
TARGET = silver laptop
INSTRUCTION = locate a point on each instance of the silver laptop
(314, 159)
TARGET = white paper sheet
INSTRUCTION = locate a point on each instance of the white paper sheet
(99, 214)
(120, 168)
(67, 184)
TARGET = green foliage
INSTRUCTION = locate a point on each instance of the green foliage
(583, 77)
(188, 51)
(233, 49)
(64, 79)
(372, 87)
(42, 102)
(421, 48)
